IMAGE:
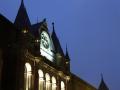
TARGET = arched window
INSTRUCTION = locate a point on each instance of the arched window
(41, 80)
(48, 85)
(62, 85)
(53, 83)
(28, 77)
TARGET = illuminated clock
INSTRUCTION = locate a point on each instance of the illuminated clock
(46, 46)
(45, 41)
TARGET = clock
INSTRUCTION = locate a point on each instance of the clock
(46, 46)
(45, 41)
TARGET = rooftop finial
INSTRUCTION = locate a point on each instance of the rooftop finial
(101, 76)
(44, 20)
(37, 19)
(102, 85)
(67, 55)
(66, 49)
(22, 1)
(53, 26)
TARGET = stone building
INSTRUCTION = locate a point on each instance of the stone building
(32, 59)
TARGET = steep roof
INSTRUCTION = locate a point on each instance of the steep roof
(82, 84)
(103, 85)
(22, 20)
(56, 42)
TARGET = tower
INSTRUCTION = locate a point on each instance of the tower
(22, 20)
(67, 57)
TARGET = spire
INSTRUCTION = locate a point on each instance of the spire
(103, 85)
(102, 77)
(44, 20)
(53, 27)
(67, 54)
(53, 33)
(22, 1)
(22, 19)
(56, 42)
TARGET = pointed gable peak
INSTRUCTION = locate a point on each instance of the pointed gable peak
(22, 4)
(102, 85)
(67, 54)
(56, 42)
(22, 19)
(22, 1)
(54, 33)
(102, 80)
(102, 77)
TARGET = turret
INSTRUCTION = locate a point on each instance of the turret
(67, 60)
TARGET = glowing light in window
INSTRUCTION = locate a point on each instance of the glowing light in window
(41, 80)
(28, 67)
(53, 83)
(28, 76)
(62, 85)
(48, 84)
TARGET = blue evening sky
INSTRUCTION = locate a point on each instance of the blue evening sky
(91, 29)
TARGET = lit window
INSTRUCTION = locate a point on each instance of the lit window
(41, 80)
(53, 83)
(25, 31)
(48, 84)
(28, 76)
(62, 85)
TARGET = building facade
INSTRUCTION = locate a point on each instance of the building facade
(32, 59)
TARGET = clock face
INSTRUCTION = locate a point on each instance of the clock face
(45, 41)
(46, 46)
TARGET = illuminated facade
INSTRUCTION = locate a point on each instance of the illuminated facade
(32, 59)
